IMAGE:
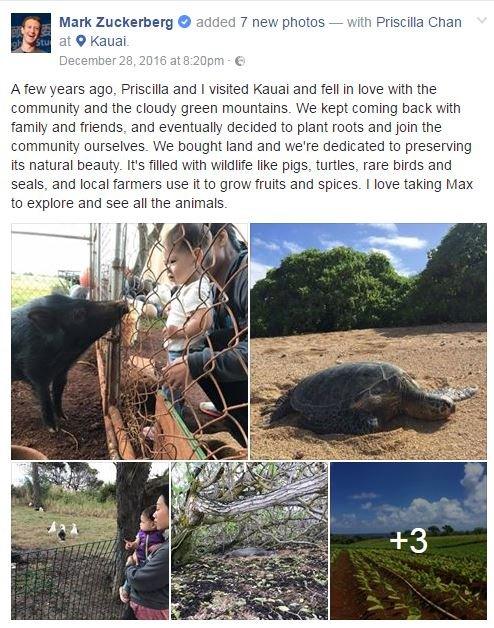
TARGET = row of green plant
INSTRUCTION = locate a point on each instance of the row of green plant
(380, 593)
(335, 552)
(341, 289)
(438, 578)
(466, 569)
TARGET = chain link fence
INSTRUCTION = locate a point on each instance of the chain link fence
(186, 288)
(65, 583)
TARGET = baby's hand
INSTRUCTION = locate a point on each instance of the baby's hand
(129, 544)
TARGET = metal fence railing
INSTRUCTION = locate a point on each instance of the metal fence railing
(65, 583)
(39, 259)
(204, 419)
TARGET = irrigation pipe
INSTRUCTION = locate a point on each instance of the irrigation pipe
(438, 608)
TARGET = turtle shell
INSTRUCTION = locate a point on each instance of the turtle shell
(329, 394)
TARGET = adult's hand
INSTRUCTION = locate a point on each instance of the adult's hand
(177, 374)
(131, 560)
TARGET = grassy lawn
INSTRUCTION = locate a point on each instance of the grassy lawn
(27, 287)
(29, 527)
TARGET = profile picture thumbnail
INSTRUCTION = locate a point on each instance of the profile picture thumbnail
(30, 32)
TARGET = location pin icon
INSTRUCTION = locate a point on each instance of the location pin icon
(81, 40)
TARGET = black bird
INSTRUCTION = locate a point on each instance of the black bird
(61, 533)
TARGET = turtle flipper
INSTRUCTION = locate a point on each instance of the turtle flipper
(354, 423)
(457, 394)
(282, 407)
(365, 423)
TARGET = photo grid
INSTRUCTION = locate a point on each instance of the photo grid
(219, 421)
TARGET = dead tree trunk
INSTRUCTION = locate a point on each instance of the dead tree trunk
(199, 510)
(203, 510)
(131, 479)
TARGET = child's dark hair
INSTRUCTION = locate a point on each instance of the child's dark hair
(216, 227)
(149, 512)
(189, 235)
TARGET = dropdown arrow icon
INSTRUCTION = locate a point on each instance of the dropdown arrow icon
(482, 19)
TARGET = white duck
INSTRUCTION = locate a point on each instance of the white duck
(74, 533)
(53, 528)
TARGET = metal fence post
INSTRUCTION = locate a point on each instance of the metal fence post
(113, 386)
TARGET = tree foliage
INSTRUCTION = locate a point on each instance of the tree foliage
(73, 476)
(453, 286)
(317, 291)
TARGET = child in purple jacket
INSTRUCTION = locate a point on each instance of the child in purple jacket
(147, 537)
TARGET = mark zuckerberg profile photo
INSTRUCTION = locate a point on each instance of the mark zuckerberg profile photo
(31, 32)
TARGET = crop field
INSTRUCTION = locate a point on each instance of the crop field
(371, 580)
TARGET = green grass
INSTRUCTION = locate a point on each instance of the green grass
(27, 287)
(29, 527)
(474, 545)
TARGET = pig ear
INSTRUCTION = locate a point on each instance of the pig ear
(79, 315)
(44, 318)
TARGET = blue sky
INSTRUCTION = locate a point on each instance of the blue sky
(384, 496)
(405, 245)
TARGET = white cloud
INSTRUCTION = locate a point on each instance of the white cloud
(330, 244)
(367, 506)
(258, 271)
(390, 227)
(424, 513)
(270, 246)
(475, 482)
(399, 242)
(364, 496)
(461, 514)
(293, 247)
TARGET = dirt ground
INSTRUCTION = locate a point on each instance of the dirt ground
(289, 585)
(435, 356)
(348, 601)
(82, 405)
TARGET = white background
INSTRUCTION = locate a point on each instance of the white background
(459, 60)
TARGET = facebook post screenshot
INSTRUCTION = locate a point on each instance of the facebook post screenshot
(280, 415)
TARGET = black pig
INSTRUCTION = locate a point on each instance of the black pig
(48, 335)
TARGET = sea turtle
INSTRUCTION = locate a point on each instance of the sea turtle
(358, 398)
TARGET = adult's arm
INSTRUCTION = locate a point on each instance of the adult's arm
(230, 365)
(151, 576)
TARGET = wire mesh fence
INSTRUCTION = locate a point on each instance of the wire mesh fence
(186, 286)
(39, 259)
(65, 583)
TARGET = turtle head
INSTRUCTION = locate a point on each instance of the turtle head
(430, 407)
